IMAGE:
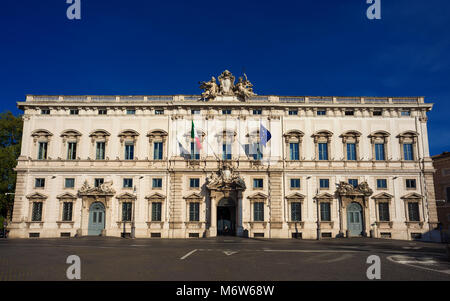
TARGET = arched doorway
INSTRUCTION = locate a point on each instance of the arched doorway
(354, 219)
(226, 217)
(96, 219)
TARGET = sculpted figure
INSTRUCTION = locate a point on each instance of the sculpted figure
(107, 187)
(210, 89)
(244, 88)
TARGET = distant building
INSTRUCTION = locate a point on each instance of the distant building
(227, 162)
(442, 189)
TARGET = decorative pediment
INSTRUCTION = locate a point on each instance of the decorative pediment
(37, 196)
(99, 133)
(293, 134)
(324, 195)
(295, 196)
(412, 196)
(383, 195)
(347, 189)
(41, 133)
(156, 196)
(126, 195)
(194, 196)
(70, 133)
(66, 195)
(257, 196)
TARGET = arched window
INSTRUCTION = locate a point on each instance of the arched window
(226, 141)
(322, 142)
(379, 141)
(293, 141)
(254, 149)
(408, 145)
(157, 140)
(128, 140)
(71, 140)
(99, 139)
(350, 142)
(41, 140)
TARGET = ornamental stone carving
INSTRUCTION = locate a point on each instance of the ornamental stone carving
(242, 90)
(225, 179)
(103, 189)
(347, 189)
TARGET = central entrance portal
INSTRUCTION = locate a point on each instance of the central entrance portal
(226, 217)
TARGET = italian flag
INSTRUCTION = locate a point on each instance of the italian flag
(194, 135)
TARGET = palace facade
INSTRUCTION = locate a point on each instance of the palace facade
(130, 165)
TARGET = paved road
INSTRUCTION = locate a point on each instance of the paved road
(226, 259)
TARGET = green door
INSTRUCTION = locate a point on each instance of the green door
(354, 219)
(96, 219)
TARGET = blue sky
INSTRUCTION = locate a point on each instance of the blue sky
(302, 47)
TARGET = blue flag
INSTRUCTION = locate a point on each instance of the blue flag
(264, 135)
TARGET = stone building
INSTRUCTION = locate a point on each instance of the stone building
(442, 188)
(227, 162)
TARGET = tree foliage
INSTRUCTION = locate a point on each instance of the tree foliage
(10, 143)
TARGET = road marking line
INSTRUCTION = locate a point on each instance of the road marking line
(390, 258)
(312, 251)
(188, 254)
(228, 253)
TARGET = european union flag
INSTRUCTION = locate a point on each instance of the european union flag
(264, 135)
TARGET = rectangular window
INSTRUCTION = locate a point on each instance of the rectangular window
(195, 112)
(226, 151)
(157, 183)
(36, 215)
(349, 113)
(98, 182)
(42, 153)
(156, 212)
(195, 154)
(257, 112)
(126, 211)
(408, 152)
(377, 113)
(323, 151)
(102, 112)
(383, 211)
(256, 151)
(67, 211)
(71, 151)
(294, 151)
(353, 182)
(131, 112)
(129, 151)
(258, 183)
(159, 112)
(321, 112)
(381, 183)
(324, 183)
(39, 183)
(69, 183)
(406, 113)
(411, 183)
(293, 112)
(100, 150)
(194, 183)
(325, 212)
(295, 183)
(258, 211)
(45, 112)
(351, 151)
(296, 211)
(74, 112)
(379, 152)
(127, 183)
(226, 112)
(194, 212)
(158, 151)
(413, 211)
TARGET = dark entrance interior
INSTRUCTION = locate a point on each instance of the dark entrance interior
(226, 218)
